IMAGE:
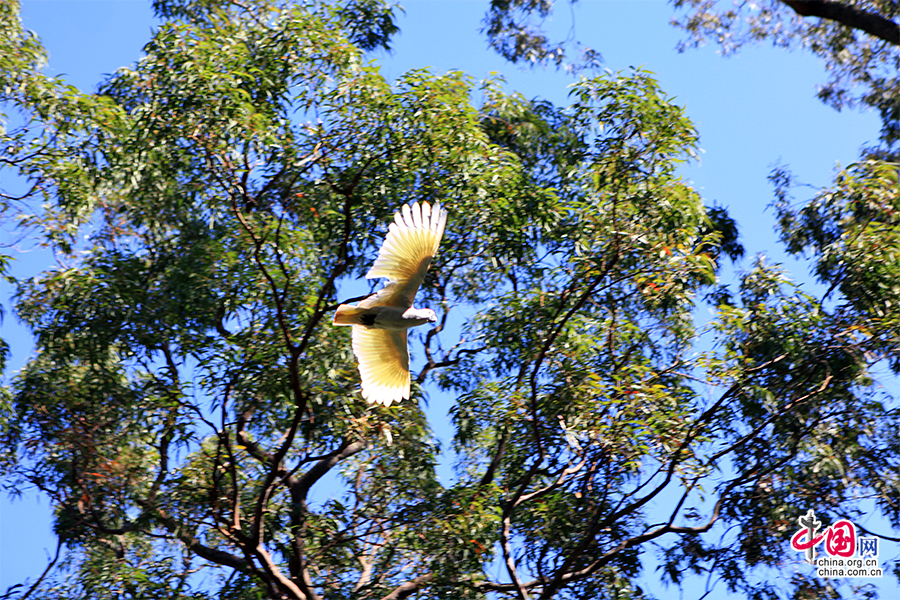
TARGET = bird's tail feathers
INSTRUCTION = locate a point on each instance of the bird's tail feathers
(348, 315)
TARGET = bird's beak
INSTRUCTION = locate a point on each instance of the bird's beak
(433, 318)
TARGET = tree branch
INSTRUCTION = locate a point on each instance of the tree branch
(244, 440)
(410, 587)
(508, 558)
(47, 570)
(495, 462)
(275, 468)
(881, 535)
(850, 16)
(301, 487)
(214, 555)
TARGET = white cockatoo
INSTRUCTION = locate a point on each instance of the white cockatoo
(381, 320)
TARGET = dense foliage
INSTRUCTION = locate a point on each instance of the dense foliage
(196, 419)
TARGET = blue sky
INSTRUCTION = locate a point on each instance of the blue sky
(752, 111)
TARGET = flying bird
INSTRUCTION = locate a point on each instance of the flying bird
(381, 320)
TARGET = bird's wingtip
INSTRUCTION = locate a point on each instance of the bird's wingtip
(384, 396)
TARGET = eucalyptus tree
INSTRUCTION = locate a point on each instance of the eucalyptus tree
(196, 419)
(858, 41)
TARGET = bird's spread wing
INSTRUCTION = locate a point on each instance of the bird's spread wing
(412, 240)
(383, 364)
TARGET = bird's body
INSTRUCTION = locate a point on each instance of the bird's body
(383, 317)
(380, 321)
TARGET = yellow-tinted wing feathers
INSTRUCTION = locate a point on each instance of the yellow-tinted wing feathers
(383, 363)
(412, 241)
